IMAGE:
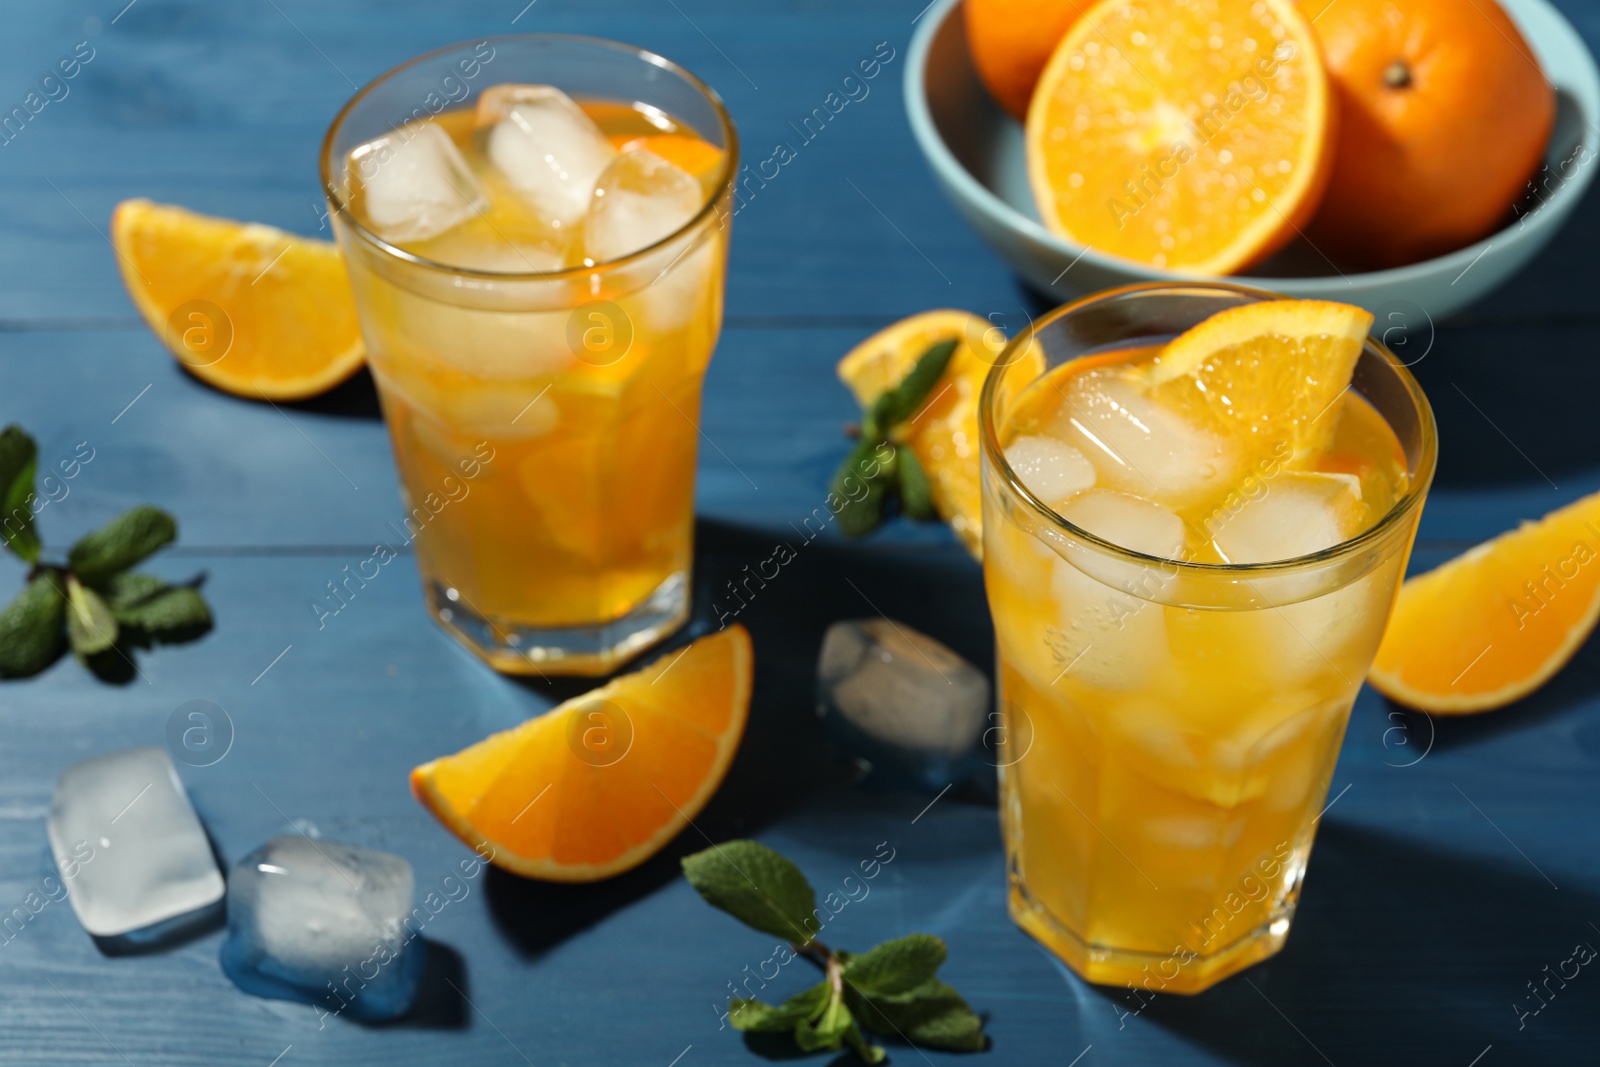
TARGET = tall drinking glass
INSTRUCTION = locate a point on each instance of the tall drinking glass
(1170, 727)
(542, 392)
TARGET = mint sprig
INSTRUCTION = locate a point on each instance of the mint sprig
(879, 469)
(892, 990)
(94, 603)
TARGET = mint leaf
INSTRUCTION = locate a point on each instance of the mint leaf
(163, 611)
(900, 403)
(121, 543)
(91, 627)
(916, 494)
(30, 627)
(752, 1016)
(862, 485)
(19, 458)
(757, 886)
(130, 588)
(933, 1014)
(897, 966)
(859, 1045)
(828, 1029)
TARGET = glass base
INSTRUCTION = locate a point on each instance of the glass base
(576, 650)
(1143, 972)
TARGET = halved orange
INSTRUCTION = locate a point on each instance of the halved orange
(1491, 626)
(601, 783)
(247, 308)
(1266, 373)
(944, 431)
(1192, 135)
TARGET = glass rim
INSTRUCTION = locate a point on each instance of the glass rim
(1420, 481)
(725, 180)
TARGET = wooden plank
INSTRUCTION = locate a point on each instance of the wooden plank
(1430, 904)
(224, 112)
(241, 473)
(627, 971)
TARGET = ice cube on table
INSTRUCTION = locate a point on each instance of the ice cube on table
(1051, 469)
(639, 200)
(549, 151)
(1295, 514)
(129, 846)
(1139, 445)
(902, 700)
(324, 923)
(413, 184)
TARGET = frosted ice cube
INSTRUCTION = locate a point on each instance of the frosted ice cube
(324, 923)
(1111, 635)
(1295, 514)
(1127, 521)
(639, 200)
(1051, 469)
(129, 845)
(1314, 627)
(414, 183)
(490, 251)
(680, 291)
(1141, 446)
(901, 698)
(547, 148)
(490, 346)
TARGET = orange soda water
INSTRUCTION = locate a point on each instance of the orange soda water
(545, 429)
(1164, 764)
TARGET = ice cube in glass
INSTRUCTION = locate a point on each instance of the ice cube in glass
(1139, 445)
(413, 184)
(549, 151)
(639, 200)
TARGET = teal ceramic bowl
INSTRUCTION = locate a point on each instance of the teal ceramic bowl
(976, 152)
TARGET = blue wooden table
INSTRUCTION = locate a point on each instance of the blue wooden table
(1458, 861)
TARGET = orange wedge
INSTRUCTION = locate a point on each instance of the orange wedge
(697, 157)
(1192, 135)
(246, 308)
(1493, 625)
(1266, 373)
(601, 783)
(944, 431)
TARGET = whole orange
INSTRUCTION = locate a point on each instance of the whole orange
(1010, 40)
(1444, 115)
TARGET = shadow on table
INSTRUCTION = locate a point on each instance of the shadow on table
(1404, 954)
(441, 1002)
(1510, 427)
(785, 756)
(1574, 686)
(354, 398)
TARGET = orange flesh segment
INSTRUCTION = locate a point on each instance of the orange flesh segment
(691, 153)
(1496, 623)
(285, 300)
(1267, 373)
(1187, 134)
(601, 783)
